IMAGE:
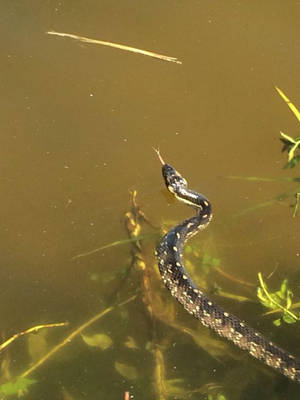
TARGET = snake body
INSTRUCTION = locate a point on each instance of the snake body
(211, 315)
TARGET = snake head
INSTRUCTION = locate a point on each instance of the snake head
(173, 180)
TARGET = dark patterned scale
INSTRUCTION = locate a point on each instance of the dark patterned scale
(177, 280)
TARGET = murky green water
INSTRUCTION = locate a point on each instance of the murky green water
(78, 122)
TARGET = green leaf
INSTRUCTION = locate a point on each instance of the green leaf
(281, 299)
(174, 387)
(188, 249)
(265, 301)
(277, 322)
(288, 138)
(289, 297)
(206, 258)
(37, 345)
(98, 340)
(283, 287)
(292, 151)
(210, 261)
(131, 343)
(289, 103)
(127, 371)
(19, 386)
(293, 162)
(288, 319)
(290, 145)
(216, 262)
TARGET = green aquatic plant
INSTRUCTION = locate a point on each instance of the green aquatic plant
(210, 262)
(218, 396)
(290, 144)
(280, 299)
(18, 386)
(296, 205)
(292, 147)
(100, 340)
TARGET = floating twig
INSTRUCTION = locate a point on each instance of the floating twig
(30, 330)
(116, 45)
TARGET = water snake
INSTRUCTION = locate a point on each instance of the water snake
(177, 280)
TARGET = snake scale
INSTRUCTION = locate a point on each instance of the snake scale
(176, 279)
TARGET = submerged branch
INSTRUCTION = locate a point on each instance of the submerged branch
(34, 329)
(72, 335)
(113, 244)
(264, 179)
(277, 199)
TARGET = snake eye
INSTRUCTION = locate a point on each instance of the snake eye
(183, 181)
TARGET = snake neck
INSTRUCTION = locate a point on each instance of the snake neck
(170, 249)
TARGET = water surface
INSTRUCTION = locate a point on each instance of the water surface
(78, 123)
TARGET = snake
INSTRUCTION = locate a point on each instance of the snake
(169, 255)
